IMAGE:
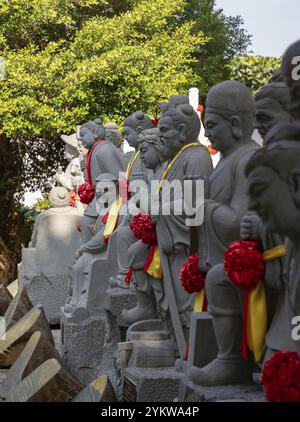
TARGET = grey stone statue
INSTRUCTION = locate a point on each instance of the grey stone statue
(179, 128)
(228, 126)
(106, 158)
(138, 253)
(228, 123)
(72, 177)
(113, 134)
(274, 173)
(45, 264)
(136, 170)
(290, 72)
(91, 250)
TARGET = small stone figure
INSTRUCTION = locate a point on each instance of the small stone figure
(105, 158)
(133, 126)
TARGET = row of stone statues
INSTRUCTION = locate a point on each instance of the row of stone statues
(252, 195)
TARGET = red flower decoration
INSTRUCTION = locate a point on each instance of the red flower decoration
(143, 228)
(281, 377)
(244, 264)
(155, 122)
(192, 280)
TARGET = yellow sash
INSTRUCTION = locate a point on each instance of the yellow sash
(164, 176)
(131, 164)
(199, 301)
(155, 269)
(257, 320)
(112, 218)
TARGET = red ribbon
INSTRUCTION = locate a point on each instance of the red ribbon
(150, 258)
(129, 276)
(79, 228)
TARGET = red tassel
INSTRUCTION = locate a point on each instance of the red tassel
(105, 218)
(79, 228)
(245, 325)
(129, 276)
(149, 259)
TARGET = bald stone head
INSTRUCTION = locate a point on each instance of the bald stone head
(290, 70)
(59, 197)
(229, 116)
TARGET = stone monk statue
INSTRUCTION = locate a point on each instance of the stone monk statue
(136, 170)
(106, 158)
(228, 126)
(148, 289)
(179, 129)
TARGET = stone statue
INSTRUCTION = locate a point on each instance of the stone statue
(179, 128)
(45, 264)
(138, 253)
(272, 106)
(290, 72)
(229, 126)
(92, 249)
(113, 134)
(106, 158)
(273, 174)
(136, 170)
(72, 177)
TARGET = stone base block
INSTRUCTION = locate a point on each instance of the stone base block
(192, 393)
(118, 299)
(82, 347)
(50, 291)
(151, 385)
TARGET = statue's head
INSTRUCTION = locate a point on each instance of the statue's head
(229, 115)
(106, 191)
(179, 125)
(134, 125)
(113, 134)
(274, 179)
(59, 197)
(75, 169)
(272, 106)
(71, 142)
(290, 70)
(91, 132)
(149, 154)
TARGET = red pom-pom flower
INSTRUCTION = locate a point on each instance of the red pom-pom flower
(244, 264)
(192, 280)
(143, 228)
(281, 377)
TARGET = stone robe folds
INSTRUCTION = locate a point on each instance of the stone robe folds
(174, 237)
(226, 204)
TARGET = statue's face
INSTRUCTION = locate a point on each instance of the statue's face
(270, 197)
(75, 169)
(219, 132)
(149, 155)
(268, 113)
(171, 138)
(87, 137)
(131, 136)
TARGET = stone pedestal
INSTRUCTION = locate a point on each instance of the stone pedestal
(82, 346)
(190, 393)
(49, 290)
(151, 385)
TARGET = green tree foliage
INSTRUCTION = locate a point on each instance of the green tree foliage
(253, 71)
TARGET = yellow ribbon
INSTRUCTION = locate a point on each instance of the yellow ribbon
(155, 269)
(257, 320)
(112, 218)
(164, 176)
(131, 164)
(199, 301)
